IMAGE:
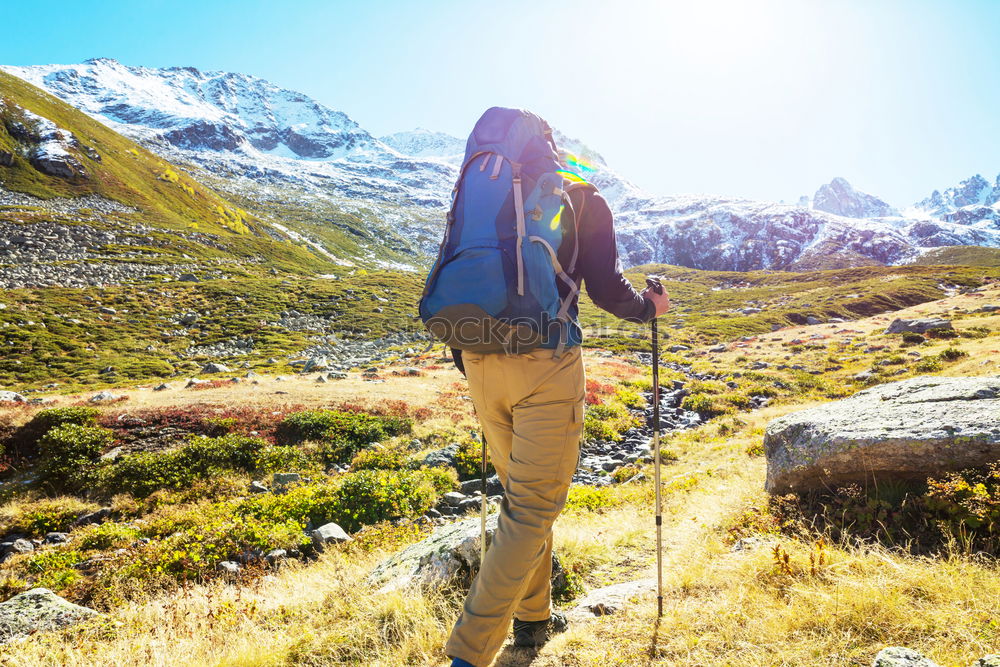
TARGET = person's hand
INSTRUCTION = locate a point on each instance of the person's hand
(661, 300)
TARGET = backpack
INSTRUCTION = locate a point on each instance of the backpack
(494, 285)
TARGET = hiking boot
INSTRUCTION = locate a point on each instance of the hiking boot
(532, 634)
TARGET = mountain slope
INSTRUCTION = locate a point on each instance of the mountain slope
(282, 155)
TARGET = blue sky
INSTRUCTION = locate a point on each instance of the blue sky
(764, 98)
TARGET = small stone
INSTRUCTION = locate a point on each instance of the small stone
(163, 386)
(188, 278)
(283, 479)
(56, 538)
(258, 487)
(229, 567)
(104, 397)
(330, 533)
(98, 516)
(454, 498)
(22, 546)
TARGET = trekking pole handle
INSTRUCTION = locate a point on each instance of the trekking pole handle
(653, 283)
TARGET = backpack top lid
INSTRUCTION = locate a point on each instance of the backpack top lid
(518, 135)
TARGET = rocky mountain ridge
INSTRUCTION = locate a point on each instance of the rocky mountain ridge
(262, 144)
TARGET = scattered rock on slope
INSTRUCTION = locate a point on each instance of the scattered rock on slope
(917, 326)
(904, 430)
(37, 610)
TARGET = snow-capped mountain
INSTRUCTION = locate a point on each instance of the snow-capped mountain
(840, 198)
(426, 143)
(266, 144)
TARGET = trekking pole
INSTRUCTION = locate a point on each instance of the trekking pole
(482, 502)
(654, 284)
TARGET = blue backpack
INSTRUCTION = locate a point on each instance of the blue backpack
(494, 285)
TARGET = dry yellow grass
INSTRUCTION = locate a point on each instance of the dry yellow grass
(723, 608)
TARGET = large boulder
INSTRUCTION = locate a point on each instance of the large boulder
(447, 556)
(38, 610)
(900, 656)
(906, 430)
(11, 397)
(922, 325)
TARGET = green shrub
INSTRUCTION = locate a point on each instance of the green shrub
(108, 535)
(49, 515)
(358, 427)
(975, 332)
(928, 365)
(952, 353)
(145, 472)
(630, 398)
(354, 499)
(272, 459)
(942, 333)
(344, 433)
(608, 421)
(193, 540)
(380, 458)
(913, 338)
(705, 405)
(25, 441)
(592, 498)
(370, 496)
(53, 568)
(469, 460)
(69, 454)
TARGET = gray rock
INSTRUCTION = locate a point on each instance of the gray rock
(988, 309)
(316, 364)
(904, 430)
(21, 546)
(188, 278)
(609, 599)
(898, 656)
(163, 386)
(329, 533)
(104, 397)
(213, 367)
(992, 660)
(56, 538)
(6, 159)
(11, 397)
(718, 348)
(38, 610)
(283, 479)
(678, 348)
(454, 498)
(917, 326)
(228, 567)
(336, 375)
(258, 487)
(99, 516)
(441, 458)
(813, 320)
(449, 555)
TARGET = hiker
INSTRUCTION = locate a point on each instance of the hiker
(523, 233)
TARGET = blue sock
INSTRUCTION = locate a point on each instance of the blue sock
(458, 662)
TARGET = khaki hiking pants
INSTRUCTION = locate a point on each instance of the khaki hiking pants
(531, 409)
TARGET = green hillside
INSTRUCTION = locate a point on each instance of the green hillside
(103, 162)
(961, 255)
